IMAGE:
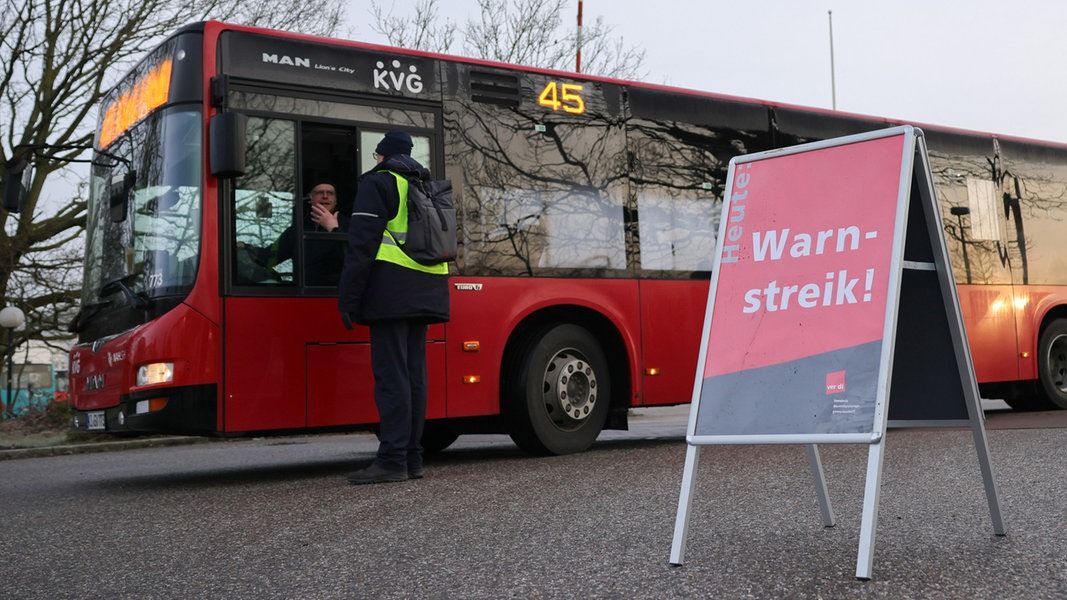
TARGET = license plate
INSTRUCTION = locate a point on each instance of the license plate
(95, 421)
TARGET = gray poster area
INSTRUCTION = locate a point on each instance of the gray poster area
(792, 397)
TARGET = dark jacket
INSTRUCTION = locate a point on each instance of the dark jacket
(375, 290)
(322, 257)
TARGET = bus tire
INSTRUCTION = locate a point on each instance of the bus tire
(1052, 363)
(557, 400)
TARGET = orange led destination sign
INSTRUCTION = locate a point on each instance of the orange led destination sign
(148, 92)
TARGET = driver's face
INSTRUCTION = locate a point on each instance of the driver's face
(324, 195)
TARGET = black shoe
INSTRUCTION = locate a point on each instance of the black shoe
(376, 474)
(415, 473)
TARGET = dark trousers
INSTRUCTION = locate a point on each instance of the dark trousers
(398, 359)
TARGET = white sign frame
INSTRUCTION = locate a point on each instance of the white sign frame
(914, 175)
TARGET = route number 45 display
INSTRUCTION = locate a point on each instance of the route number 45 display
(557, 95)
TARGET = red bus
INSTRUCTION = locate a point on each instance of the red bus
(588, 211)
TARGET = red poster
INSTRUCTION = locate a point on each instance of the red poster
(806, 255)
(802, 291)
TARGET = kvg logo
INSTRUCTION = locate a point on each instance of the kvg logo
(396, 79)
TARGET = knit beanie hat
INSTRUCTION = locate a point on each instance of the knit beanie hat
(395, 142)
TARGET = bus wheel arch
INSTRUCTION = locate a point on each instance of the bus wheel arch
(1052, 361)
(563, 374)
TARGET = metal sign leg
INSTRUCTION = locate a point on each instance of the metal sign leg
(869, 524)
(986, 465)
(820, 485)
(685, 498)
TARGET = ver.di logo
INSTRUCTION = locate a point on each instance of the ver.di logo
(396, 78)
(835, 382)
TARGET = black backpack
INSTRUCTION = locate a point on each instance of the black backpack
(431, 222)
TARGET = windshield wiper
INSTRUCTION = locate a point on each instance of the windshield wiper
(85, 313)
(139, 299)
(121, 285)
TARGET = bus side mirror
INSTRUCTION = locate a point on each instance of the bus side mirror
(227, 144)
(17, 175)
(119, 195)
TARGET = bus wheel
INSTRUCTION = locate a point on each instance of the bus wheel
(1052, 363)
(557, 400)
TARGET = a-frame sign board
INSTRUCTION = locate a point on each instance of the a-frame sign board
(830, 256)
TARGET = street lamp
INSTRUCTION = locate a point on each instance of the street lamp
(833, 83)
(11, 317)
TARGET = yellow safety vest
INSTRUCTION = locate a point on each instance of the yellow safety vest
(396, 231)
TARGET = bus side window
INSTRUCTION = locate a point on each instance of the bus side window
(265, 209)
(265, 237)
(329, 154)
(368, 141)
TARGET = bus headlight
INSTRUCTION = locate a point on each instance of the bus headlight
(154, 373)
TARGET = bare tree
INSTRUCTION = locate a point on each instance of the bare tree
(526, 32)
(422, 31)
(57, 60)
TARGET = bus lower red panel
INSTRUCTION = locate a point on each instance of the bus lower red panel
(673, 316)
(290, 365)
(340, 388)
(989, 318)
(487, 310)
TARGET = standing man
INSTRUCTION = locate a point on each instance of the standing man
(397, 298)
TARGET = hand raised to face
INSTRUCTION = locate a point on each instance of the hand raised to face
(323, 200)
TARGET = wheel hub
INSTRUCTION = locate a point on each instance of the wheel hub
(570, 389)
(1057, 362)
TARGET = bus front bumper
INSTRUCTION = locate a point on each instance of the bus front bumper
(189, 410)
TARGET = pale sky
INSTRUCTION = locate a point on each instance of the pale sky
(985, 65)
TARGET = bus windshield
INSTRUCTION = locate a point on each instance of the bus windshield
(143, 222)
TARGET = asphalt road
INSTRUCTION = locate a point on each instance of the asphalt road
(274, 518)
